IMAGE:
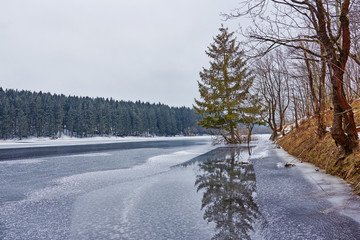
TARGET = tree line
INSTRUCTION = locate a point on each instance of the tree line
(25, 113)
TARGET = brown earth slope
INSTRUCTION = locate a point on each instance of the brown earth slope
(304, 144)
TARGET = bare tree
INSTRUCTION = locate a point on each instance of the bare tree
(289, 22)
(273, 84)
(316, 82)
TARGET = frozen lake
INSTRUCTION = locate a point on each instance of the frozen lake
(179, 189)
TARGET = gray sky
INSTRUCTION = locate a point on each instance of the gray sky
(148, 50)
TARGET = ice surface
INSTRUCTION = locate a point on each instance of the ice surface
(139, 194)
(27, 161)
(50, 210)
(158, 207)
(332, 188)
(294, 206)
(100, 154)
(81, 183)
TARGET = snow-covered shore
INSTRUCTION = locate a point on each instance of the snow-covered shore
(68, 141)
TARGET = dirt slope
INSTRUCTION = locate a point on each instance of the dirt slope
(304, 144)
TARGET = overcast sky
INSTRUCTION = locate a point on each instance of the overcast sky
(148, 50)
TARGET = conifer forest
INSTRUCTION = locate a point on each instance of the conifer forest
(25, 113)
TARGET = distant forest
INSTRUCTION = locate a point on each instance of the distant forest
(25, 113)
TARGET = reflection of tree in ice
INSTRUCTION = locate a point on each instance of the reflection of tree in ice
(229, 191)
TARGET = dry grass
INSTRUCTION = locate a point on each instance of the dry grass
(304, 144)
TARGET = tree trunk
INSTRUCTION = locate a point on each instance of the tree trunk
(321, 122)
(317, 101)
(295, 109)
(273, 135)
(249, 137)
(343, 130)
(232, 135)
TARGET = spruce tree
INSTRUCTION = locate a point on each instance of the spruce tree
(223, 87)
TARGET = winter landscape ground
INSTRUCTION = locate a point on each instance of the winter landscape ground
(164, 193)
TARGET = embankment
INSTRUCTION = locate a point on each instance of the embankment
(303, 143)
